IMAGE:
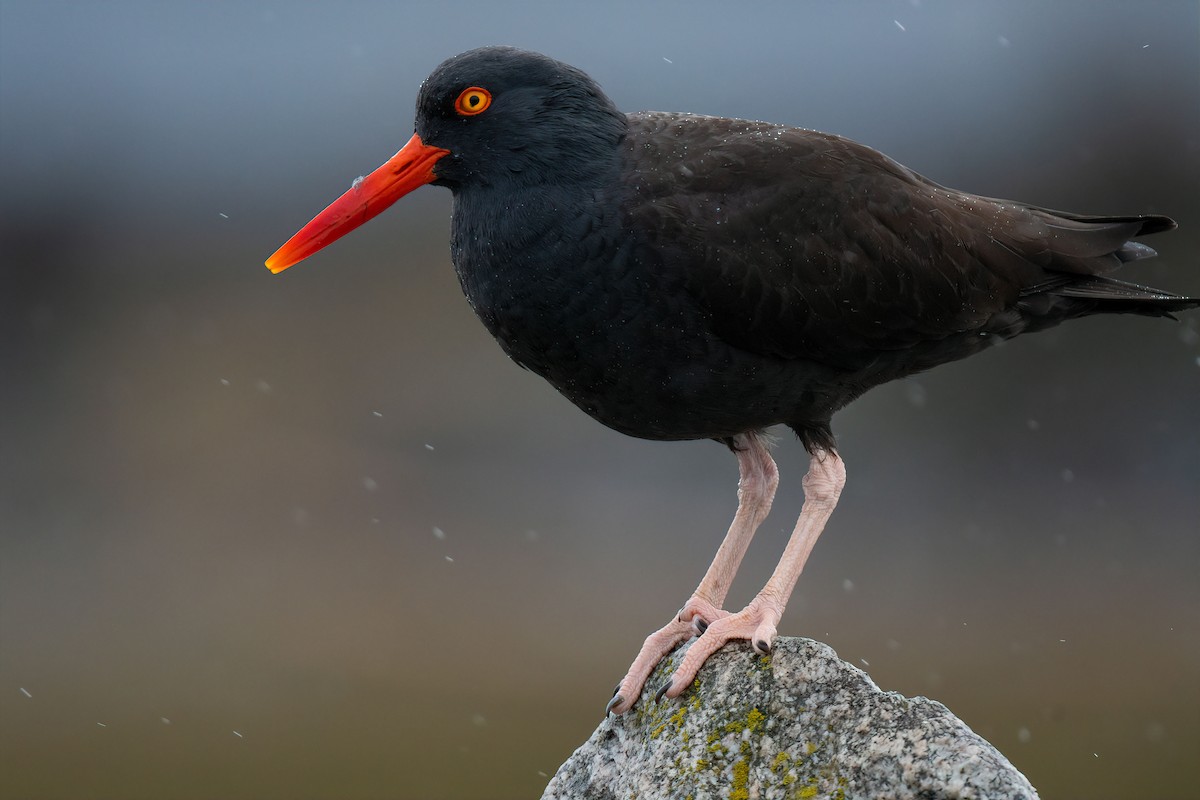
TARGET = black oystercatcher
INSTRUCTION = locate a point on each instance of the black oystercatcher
(689, 277)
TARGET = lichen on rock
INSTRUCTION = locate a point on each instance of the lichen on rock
(797, 724)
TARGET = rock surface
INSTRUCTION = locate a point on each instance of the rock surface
(799, 723)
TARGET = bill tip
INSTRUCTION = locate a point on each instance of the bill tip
(277, 264)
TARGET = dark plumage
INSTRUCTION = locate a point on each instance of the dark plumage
(687, 277)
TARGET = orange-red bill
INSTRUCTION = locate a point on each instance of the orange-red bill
(403, 172)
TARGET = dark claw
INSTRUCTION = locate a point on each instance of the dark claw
(666, 687)
(616, 701)
(616, 688)
(701, 625)
(762, 647)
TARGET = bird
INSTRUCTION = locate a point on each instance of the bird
(687, 277)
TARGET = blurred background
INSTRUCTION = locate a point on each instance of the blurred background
(314, 536)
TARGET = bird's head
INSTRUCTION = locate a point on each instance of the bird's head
(491, 117)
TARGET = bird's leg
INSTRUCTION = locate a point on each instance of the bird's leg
(757, 483)
(756, 622)
(756, 490)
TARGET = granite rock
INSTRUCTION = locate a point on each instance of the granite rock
(799, 723)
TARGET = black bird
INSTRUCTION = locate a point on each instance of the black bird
(688, 277)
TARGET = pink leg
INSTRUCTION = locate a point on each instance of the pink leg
(756, 490)
(756, 622)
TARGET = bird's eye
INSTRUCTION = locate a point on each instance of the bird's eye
(473, 100)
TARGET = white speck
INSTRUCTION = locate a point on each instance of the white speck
(25, 692)
(223, 215)
(165, 721)
(1023, 735)
(429, 447)
(449, 560)
(263, 386)
(847, 585)
(225, 381)
(916, 393)
(357, 182)
(439, 534)
(377, 413)
(1064, 641)
(101, 724)
(1003, 41)
(1032, 424)
(542, 774)
(1096, 755)
(898, 25)
(669, 61)
(865, 663)
(1068, 476)
(235, 733)
(370, 484)
(1145, 46)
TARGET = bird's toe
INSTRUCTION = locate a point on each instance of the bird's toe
(700, 613)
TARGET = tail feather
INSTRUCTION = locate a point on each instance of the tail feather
(1083, 249)
(1092, 245)
(1098, 294)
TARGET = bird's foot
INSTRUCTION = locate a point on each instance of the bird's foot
(696, 617)
(700, 613)
(754, 623)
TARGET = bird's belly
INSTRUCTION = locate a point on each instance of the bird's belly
(672, 386)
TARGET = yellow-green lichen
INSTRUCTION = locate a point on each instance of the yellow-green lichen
(739, 789)
(718, 750)
(754, 722)
(675, 721)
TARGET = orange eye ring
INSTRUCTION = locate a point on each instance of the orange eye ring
(473, 100)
